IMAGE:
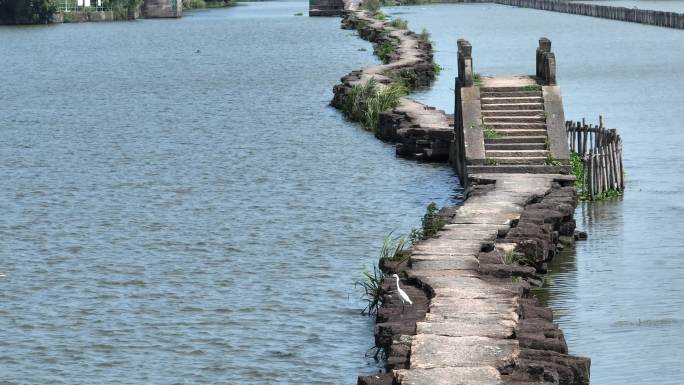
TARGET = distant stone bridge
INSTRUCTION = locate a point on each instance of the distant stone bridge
(155, 9)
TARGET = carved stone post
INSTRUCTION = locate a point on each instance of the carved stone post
(544, 46)
(549, 68)
(465, 63)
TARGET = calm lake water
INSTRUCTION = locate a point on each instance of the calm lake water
(181, 206)
(620, 299)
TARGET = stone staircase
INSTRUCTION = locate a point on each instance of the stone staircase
(514, 125)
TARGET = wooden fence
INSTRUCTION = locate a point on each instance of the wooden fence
(601, 150)
(643, 16)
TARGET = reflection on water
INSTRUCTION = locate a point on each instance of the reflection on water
(620, 299)
(180, 205)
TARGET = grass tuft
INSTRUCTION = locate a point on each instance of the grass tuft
(364, 103)
(371, 283)
(385, 50)
(399, 23)
(551, 161)
(489, 132)
(425, 36)
(477, 80)
(393, 248)
(383, 100)
(531, 87)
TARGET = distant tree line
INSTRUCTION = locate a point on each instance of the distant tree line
(26, 11)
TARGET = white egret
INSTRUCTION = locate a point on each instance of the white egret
(402, 294)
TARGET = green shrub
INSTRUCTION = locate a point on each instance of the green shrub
(194, 4)
(436, 68)
(577, 167)
(26, 11)
(431, 224)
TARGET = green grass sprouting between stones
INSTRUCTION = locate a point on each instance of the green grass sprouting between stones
(399, 23)
(531, 87)
(364, 103)
(477, 80)
(385, 50)
(425, 36)
(393, 248)
(371, 284)
(489, 132)
(551, 161)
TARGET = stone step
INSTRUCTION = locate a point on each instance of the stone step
(543, 153)
(518, 126)
(517, 140)
(506, 94)
(510, 89)
(486, 113)
(515, 146)
(515, 119)
(503, 160)
(519, 169)
(523, 132)
(513, 106)
(517, 99)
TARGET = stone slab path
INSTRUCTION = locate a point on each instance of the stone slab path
(467, 334)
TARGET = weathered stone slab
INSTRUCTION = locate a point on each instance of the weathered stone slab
(433, 351)
(478, 292)
(447, 306)
(447, 246)
(498, 220)
(481, 375)
(502, 329)
(468, 235)
(442, 262)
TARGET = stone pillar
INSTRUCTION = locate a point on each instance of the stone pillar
(465, 63)
(549, 68)
(544, 46)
